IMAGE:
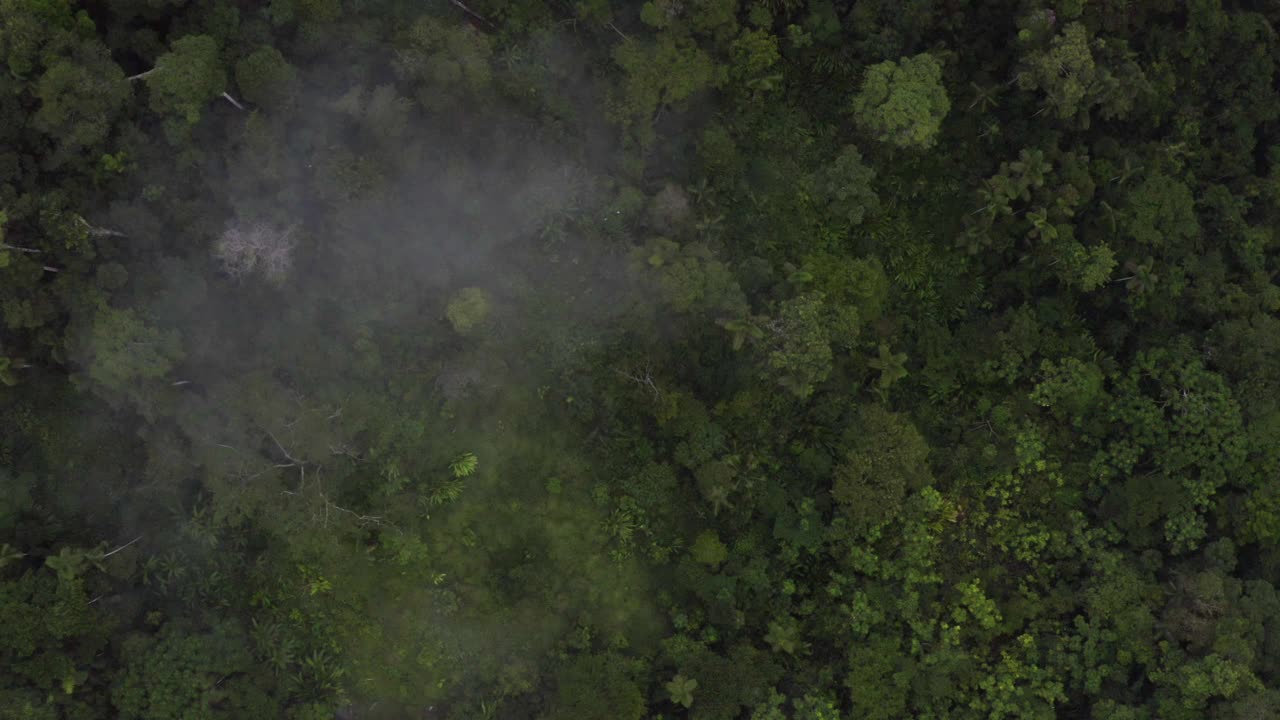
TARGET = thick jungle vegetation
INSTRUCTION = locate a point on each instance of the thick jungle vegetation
(581, 359)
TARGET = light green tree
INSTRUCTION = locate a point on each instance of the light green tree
(844, 186)
(266, 79)
(79, 98)
(892, 368)
(596, 687)
(903, 103)
(708, 549)
(885, 459)
(122, 352)
(1161, 212)
(680, 690)
(799, 339)
(1066, 71)
(445, 62)
(1078, 73)
(184, 80)
(658, 74)
(468, 310)
(689, 278)
(33, 32)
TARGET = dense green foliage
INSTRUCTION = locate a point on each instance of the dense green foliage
(720, 359)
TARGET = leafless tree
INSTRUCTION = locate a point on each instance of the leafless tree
(642, 376)
(245, 249)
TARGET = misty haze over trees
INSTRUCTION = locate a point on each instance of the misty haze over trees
(707, 359)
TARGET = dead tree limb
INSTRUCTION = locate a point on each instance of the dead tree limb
(291, 458)
(113, 552)
(96, 231)
(643, 378)
(459, 4)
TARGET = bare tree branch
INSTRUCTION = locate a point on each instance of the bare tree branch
(113, 552)
(472, 13)
(642, 377)
(292, 459)
(96, 231)
(258, 247)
